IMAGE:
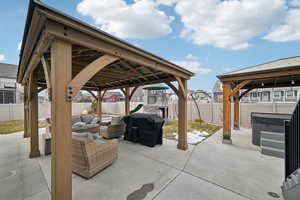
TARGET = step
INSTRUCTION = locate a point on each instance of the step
(277, 144)
(272, 152)
(272, 135)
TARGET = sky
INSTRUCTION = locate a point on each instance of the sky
(208, 37)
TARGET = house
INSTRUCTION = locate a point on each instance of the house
(10, 91)
(113, 96)
(261, 95)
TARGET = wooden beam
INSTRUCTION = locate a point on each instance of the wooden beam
(290, 72)
(238, 87)
(99, 104)
(181, 87)
(123, 91)
(133, 69)
(100, 42)
(182, 116)
(33, 118)
(87, 73)
(61, 111)
(132, 92)
(175, 90)
(42, 46)
(236, 122)
(46, 68)
(127, 101)
(226, 112)
(26, 113)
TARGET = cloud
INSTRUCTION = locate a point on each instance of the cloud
(228, 24)
(289, 30)
(2, 58)
(191, 57)
(295, 3)
(193, 66)
(20, 45)
(141, 19)
(166, 2)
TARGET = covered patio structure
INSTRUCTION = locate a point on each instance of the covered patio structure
(278, 73)
(65, 55)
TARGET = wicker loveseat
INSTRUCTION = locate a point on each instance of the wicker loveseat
(113, 129)
(90, 156)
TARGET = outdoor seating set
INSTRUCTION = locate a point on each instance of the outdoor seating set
(94, 143)
(91, 149)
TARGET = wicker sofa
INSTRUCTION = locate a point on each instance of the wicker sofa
(90, 156)
(89, 123)
(113, 129)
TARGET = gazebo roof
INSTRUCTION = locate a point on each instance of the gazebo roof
(133, 66)
(279, 73)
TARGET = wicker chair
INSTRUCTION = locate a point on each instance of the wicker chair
(91, 156)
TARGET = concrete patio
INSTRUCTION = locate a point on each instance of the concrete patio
(210, 170)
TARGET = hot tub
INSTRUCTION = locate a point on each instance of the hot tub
(272, 122)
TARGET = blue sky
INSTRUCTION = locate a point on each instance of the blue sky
(208, 36)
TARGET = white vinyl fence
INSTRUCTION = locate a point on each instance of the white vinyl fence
(210, 112)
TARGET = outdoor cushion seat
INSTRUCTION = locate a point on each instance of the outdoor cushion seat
(90, 156)
(114, 129)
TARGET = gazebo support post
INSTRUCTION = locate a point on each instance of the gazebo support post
(236, 125)
(99, 104)
(226, 113)
(61, 108)
(26, 130)
(33, 117)
(182, 114)
(127, 101)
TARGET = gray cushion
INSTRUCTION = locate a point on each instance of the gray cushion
(87, 118)
(95, 120)
(116, 120)
(79, 124)
(76, 119)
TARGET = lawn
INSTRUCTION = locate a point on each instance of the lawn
(171, 127)
(7, 127)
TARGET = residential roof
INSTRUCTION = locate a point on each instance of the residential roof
(134, 66)
(8, 71)
(277, 65)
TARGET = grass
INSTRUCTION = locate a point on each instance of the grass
(7, 127)
(171, 127)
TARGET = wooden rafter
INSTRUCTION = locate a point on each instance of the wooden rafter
(134, 70)
(46, 68)
(238, 87)
(87, 73)
(91, 93)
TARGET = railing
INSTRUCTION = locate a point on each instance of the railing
(292, 142)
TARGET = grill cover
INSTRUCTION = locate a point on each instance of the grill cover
(144, 128)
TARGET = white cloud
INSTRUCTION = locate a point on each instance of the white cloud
(295, 3)
(141, 19)
(2, 58)
(166, 2)
(193, 66)
(191, 57)
(228, 24)
(19, 45)
(289, 30)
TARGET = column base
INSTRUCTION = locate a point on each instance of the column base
(227, 141)
(35, 155)
(182, 147)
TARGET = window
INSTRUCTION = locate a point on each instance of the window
(291, 95)
(7, 96)
(254, 96)
(265, 96)
(278, 95)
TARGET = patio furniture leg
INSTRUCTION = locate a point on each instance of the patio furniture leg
(61, 157)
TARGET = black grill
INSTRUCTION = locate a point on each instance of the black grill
(144, 128)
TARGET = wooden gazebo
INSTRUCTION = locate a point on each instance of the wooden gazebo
(278, 73)
(65, 55)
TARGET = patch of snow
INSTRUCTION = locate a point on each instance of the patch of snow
(194, 137)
